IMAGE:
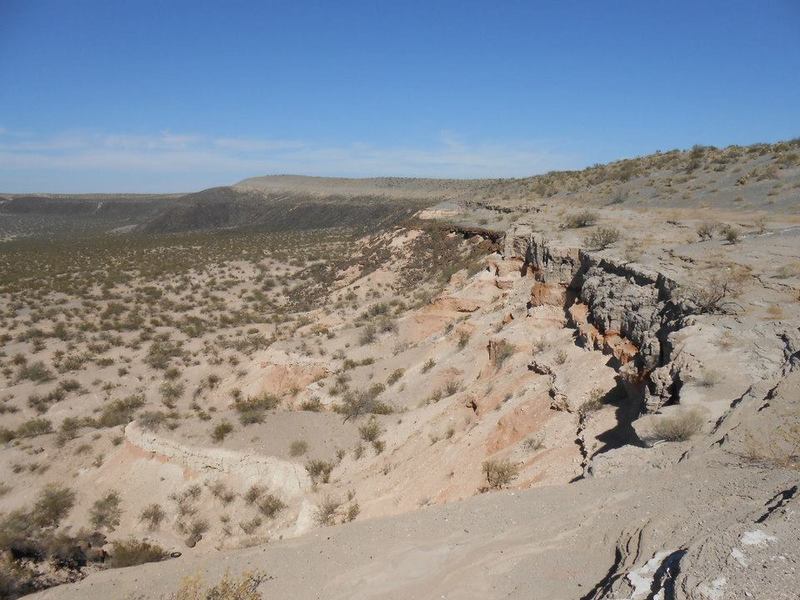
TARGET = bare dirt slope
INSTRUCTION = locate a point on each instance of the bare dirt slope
(581, 541)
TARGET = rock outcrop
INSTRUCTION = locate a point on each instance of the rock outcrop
(621, 308)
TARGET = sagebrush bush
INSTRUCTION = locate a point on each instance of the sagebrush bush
(584, 218)
(245, 587)
(152, 420)
(319, 470)
(356, 404)
(370, 431)
(152, 515)
(221, 430)
(601, 238)
(705, 231)
(499, 473)
(327, 511)
(53, 504)
(120, 412)
(395, 376)
(270, 505)
(253, 409)
(312, 405)
(298, 448)
(678, 427)
(171, 392)
(106, 511)
(33, 428)
(134, 552)
(730, 233)
(36, 372)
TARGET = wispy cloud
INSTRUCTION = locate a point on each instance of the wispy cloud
(178, 161)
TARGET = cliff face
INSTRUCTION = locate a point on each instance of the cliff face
(622, 308)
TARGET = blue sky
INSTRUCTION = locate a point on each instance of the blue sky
(175, 96)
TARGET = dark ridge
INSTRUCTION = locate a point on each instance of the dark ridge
(230, 208)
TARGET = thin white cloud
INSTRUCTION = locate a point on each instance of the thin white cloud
(184, 161)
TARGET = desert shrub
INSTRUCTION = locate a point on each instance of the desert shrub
(386, 325)
(16, 526)
(195, 531)
(6, 435)
(221, 492)
(429, 364)
(312, 405)
(593, 403)
(36, 372)
(463, 340)
(395, 376)
(730, 233)
(120, 412)
(499, 473)
(172, 373)
(152, 515)
(152, 420)
(450, 388)
(255, 492)
(134, 552)
(716, 293)
(106, 511)
(253, 410)
(601, 238)
(356, 404)
(705, 231)
(352, 512)
(184, 502)
(370, 431)
(171, 392)
(14, 580)
(584, 218)
(69, 385)
(270, 505)
(325, 514)
(52, 505)
(534, 442)
(678, 427)
(250, 527)
(298, 448)
(245, 587)
(69, 429)
(33, 428)
(368, 335)
(161, 352)
(619, 196)
(319, 470)
(221, 431)
(41, 404)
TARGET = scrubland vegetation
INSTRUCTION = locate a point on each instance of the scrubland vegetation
(118, 327)
(106, 337)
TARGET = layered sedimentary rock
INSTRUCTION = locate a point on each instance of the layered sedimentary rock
(621, 308)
